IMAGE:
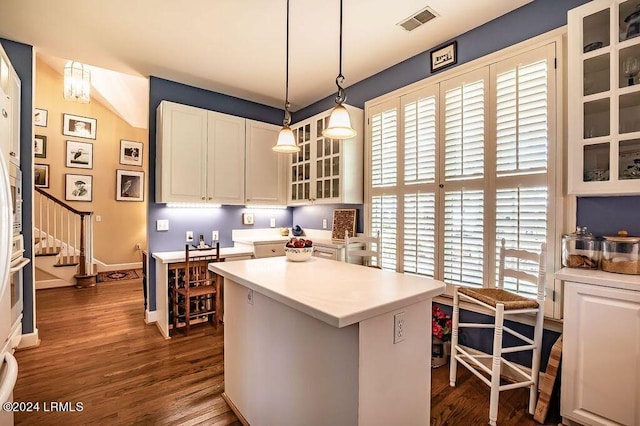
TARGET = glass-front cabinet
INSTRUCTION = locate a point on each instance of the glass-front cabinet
(326, 170)
(604, 98)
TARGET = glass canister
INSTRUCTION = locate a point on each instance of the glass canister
(580, 249)
(621, 254)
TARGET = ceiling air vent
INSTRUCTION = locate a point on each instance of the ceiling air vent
(421, 17)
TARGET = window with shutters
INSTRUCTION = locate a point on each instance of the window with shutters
(457, 164)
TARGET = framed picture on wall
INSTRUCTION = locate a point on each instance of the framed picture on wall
(444, 56)
(79, 127)
(79, 155)
(129, 185)
(78, 187)
(40, 146)
(344, 220)
(130, 153)
(40, 117)
(41, 175)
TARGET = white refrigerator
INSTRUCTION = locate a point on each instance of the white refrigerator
(8, 364)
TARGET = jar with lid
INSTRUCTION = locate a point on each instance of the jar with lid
(580, 249)
(621, 254)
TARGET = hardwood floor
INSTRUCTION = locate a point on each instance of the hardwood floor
(97, 350)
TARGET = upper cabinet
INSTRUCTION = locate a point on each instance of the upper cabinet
(265, 168)
(604, 98)
(200, 156)
(9, 110)
(326, 170)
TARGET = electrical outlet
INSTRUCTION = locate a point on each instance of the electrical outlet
(324, 223)
(98, 218)
(162, 225)
(250, 296)
(272, 222)
(399, 328)
(138, 246)
(189, 236)
(215, 236)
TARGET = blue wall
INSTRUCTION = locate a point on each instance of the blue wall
(21, 57)
(608, 215)
(310, 217)
(198, 220)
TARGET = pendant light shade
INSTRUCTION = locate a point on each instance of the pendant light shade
(77, 82)
(286, 142)
(339, 126)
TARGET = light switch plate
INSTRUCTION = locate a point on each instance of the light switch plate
(247, 218)
(162, 225)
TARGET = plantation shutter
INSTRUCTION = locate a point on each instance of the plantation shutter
(420, 137)
(419, 234)
(384, 214)
(384, 148)
(522, 146)
(465, 117)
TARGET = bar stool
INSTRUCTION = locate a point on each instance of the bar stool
(516, 264)
(199, 294)
(364, 247)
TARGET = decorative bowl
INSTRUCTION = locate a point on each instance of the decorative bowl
(301, 254)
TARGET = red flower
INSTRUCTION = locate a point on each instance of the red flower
(440, 324)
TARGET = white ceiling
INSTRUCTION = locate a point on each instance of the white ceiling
(237, 47)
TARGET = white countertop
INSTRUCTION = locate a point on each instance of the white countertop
(337, 293)
(261, 239)
(598, 277)
(178, 256)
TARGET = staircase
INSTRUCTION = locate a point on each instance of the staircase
(63, 238)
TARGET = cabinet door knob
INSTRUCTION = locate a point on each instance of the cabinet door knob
(204, 198)
(13, 154)
(273, 250)
(210, 198)
(4, 113)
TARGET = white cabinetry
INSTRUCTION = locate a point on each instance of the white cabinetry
(601, 348)
(604, 98)
(200, 156)
(265, 168)
(326, 170)
(9, 110)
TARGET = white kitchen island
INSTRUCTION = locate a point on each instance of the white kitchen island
(312, 343)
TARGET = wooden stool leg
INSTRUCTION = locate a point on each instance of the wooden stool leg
(217, 303)
(453, 367)
(497, 361)
(187, 313)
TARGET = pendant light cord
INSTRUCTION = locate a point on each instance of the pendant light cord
(342, 94)
(287, 105)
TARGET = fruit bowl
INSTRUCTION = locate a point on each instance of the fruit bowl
(298, 254)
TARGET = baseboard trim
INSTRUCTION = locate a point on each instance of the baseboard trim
(234, 409)
(150, 316)
(103, 267)
(55, 283)
(30, 340)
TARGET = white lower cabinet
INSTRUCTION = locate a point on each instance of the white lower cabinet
(601, 353)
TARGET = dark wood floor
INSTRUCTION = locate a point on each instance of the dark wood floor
(97, 350)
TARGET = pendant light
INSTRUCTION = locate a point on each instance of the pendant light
(77, 82)
(286, 142)
(339, 121)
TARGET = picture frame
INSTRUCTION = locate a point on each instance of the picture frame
(130, 153)
(79, 155)
(40, 117)
(41, 175)
(343, 220)
(444, 56)
(40, 146)
(78, 187)
(79, 127)
(129, 185)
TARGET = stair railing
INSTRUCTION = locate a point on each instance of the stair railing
(57, 224)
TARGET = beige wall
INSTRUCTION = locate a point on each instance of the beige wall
(123, 223)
